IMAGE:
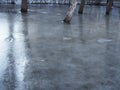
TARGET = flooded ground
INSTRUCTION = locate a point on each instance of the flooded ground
(39, 52)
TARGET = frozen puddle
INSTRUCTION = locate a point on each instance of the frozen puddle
(42, 60)
(103, 40)
(67, 38)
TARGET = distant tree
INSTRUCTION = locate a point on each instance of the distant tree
(24, 6)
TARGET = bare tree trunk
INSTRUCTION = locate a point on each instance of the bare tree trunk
(24, 6)
(70, 12)
(109, 5)
(80, 11)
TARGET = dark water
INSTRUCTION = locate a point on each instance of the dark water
(39, 52)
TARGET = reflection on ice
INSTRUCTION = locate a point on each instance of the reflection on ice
(3, 26)
(20, 51)
(13, 52)
(3, 46)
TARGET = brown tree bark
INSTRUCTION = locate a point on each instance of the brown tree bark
(70, 12)
(24, 6)
(82, 4)
(109, 5)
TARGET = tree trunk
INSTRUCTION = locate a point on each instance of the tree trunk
(24, 6)
(70, 12)
(109, 5)
(82, 4)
